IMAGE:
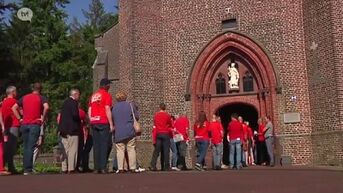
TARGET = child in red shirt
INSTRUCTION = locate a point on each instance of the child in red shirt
(217, 133)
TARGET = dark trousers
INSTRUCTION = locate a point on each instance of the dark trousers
(30, 137)
(101, 135)
(261, 152)
(162, 144)
(11, 148)
(83, 152)
(181, 154)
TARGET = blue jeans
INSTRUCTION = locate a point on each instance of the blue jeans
(30, 137)
(269, 144)
(235, 147)
(174, 152)
(217, 153)
(202, 150)
(101, 139)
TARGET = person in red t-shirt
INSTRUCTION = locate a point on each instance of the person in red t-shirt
(100, 116)
(244, 141)
(2, 131)
(182, 126)
(235, 137)
(85, 143)
(35, 110)
(261, 144)
(217, 134)
(250, 141)
(163, 125)
(12, 125)
(201, 133)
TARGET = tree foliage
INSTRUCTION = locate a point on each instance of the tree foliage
(50, 51)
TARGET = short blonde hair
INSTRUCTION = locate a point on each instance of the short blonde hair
(121, 96)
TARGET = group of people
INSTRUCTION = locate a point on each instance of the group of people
(246, 146)
(117, 125)
(28, 116)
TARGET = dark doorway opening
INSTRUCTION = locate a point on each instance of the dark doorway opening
(248, 112)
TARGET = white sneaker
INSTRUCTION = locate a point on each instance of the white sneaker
(225, 167)
(175, 169)
(141, 169)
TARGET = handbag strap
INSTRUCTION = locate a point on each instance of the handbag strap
(133, 113)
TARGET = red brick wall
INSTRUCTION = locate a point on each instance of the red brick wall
(277, 25)
(141, 62)
(325, 80)
(161, 40)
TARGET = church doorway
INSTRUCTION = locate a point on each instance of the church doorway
(248, 112)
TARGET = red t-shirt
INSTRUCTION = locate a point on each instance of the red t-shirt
(182, 125)
(201, 132)
(32, 105)
(10, 121)
(217, 132)
(245, 131)
(162, 123)
(83, 117)
(97, 103)
(260, 132)
(235, 130)
(250, 133)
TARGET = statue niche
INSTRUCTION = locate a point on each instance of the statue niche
(233, 75)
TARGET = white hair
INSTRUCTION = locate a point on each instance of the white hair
(10, 89)
(74, 91)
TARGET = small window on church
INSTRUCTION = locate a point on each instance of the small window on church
(248, 82)
(230, 24)
(220, 84)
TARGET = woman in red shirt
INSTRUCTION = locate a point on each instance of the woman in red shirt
(261, 144)
(201, 130)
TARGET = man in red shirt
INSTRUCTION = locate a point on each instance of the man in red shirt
(12, 125)
(217, 134)
(235, 137)
(100, 116)
(182, 126)
(163, 125)
(2, 130)
(35, 110)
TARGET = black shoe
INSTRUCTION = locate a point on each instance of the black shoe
(198, 167)
(271, 165)
(96, 172)
(103, 172)
(153, 169)
(217, 168)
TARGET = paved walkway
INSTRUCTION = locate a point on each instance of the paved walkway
(252, 180)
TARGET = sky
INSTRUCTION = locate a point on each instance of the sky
(74, 9)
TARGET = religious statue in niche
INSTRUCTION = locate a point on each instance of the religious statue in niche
(233, 77)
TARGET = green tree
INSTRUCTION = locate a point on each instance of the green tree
(50, 51)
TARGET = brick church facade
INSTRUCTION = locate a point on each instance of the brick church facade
(288, 54)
